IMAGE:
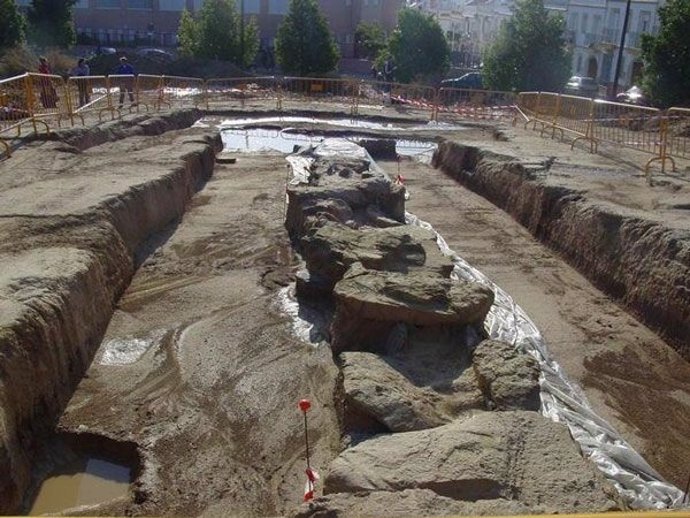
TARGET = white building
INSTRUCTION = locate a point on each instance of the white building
(594, 29)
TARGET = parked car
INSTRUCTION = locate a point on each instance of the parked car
(582, 86)
(160, 54)
(633, 95)
(471, 80)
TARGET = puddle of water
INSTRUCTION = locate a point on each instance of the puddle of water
(125, 351)
(342, 123)
(261, 139)
(87, 481)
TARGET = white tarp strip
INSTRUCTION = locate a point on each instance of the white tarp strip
(561, 400)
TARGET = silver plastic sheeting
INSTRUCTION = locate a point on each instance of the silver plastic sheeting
(563, 401)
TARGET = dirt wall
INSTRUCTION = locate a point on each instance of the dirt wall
(641, 263)
(63, 276)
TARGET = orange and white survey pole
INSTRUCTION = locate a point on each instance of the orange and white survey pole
(312, 476)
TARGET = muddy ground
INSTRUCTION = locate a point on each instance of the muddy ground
(211, 403)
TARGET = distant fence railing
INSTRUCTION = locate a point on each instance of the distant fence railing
(39, 102)
(665, 134)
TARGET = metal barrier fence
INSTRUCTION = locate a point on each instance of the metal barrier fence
(317, 90)
(679, 132)
(239, 91)
(39, 101)
(475, 104)
(649, 130)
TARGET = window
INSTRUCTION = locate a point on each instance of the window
(579, 63)
(250, 6)
(108, 4)
(277, 6)
(82, 4)
(139, 4)
(171, 5)
(585, 22)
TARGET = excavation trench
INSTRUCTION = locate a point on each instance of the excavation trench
(194, 365)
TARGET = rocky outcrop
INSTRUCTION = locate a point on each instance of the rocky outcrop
(508, 378)
(369, 303)
(375, 388)
(334, 247)
(341, 190)
(517, 456)
(68, 257)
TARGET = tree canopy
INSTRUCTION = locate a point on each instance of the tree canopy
(12, 26)
(529, 52)
(304, 44)
(217, 34)
(418, 47)
(666, 56)
(370, 40)
(50, 23)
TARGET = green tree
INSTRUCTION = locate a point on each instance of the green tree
(12, 26)
(50, 23)
(188, 35)
(304, 45)
(666, 56)
(216, 34)
(529, 52)
(418, 47)
(370, 40)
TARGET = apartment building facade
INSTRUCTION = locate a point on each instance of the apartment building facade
(155, 22)
(594, 31)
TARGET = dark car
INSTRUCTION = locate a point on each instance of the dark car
(633, 95)
(582, 86)
(472, 81)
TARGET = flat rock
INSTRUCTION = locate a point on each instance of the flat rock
(333, 248)
(512, 455)
(410, 502)
(508, 378)
(421, 298)
(375, 388)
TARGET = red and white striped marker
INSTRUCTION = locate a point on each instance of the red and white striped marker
(312, 475)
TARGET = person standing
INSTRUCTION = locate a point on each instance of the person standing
(49, 96)
(126, 83)
(81, 71)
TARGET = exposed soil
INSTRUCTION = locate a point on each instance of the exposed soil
(211, 403)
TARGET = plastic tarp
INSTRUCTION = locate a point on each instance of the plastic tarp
(561, 400)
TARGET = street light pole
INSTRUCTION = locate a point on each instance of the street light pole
(616, 74)
(242, 33)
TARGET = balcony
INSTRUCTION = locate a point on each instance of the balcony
(611, 36)
(591, 38)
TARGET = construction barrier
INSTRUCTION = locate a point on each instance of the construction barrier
(475, 104)
(679, 132)
(236, 92)
(182, 92)
(317, 90)
(40, 101)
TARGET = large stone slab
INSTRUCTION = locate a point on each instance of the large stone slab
(333, 248)
(373, 387)
(410, 502)
(369, 304)
(493, 455)
(508, 378)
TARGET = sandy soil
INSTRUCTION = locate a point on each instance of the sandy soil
(212, 401)
(631, 377)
